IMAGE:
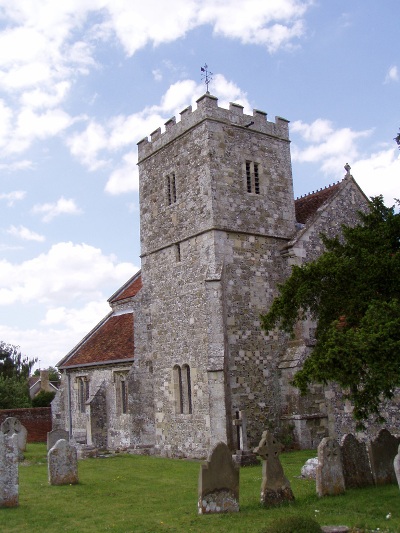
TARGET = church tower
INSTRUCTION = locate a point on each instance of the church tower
(216, 208)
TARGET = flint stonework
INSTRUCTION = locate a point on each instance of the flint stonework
(356, 468)
(219, 483)
(382, 451)
(63, 464)
(12, 426)
(275, 487)
(329, 478)
(55, 435)
(396, 464)
(8, 470)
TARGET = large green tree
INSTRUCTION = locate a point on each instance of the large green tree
(14, 372)
(352, 291)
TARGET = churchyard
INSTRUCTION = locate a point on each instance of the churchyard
(126, 493)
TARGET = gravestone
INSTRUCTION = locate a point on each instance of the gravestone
(275, 487)
(309, 469)
(329, 478)
(8, 470)
(54, 435)
(219, 482)
(396, 464)
(12, 426)
(62, 464)
(356, 468)
(382, 451)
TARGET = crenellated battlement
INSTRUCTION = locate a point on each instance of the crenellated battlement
(207, 108)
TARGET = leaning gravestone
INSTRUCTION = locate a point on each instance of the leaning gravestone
(356, 468)
(63, 464)
(219, 483)
(396, 464)
(8, 470)
(12, 426)
(54, 435)
(329, 478)
(382, 451)
(275, 487)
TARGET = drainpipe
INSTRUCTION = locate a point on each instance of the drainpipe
(69, 406)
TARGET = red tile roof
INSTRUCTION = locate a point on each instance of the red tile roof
(306, 206)
(111, 341)
(130, 289)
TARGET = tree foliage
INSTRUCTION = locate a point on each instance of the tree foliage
(13, 363)
(43, 399)
(352, 291)
(14, 372)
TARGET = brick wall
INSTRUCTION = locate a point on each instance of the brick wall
(37, 421)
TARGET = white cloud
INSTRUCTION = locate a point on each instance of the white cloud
(86, 145)
(320, 143)
(392, 74)
(125, 178)
(66, 273)
(12, 197)
(24, 233)
(63, 206)
(379, 174)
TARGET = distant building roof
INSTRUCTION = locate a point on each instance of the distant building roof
(109, 342)
(306, 206)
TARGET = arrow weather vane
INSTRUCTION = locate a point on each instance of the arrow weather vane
(206, 75)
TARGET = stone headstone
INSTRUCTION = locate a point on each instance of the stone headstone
(309, 469)
(63, 464)
(382, 451)
(356, 468)
(12, 426)
(54, 435)
(8, 470)
(329, 479)
(275, 487)
(219, 482)
(396, 464)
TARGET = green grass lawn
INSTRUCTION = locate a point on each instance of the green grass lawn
(138, 494)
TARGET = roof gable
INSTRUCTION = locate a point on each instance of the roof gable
(306, 206)
(129, 289)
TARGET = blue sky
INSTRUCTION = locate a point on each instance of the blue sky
(82, 81)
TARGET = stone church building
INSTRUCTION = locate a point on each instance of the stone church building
(180, 362)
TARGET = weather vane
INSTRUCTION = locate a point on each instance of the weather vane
(206, 75)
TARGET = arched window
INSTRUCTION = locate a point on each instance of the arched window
(83, 393)
(182, 390)
(178, 389)
(187, 390)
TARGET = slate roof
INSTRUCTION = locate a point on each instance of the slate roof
(306, 206)
(109, 342)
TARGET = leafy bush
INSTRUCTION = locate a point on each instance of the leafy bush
(43, 399)
(294, 524)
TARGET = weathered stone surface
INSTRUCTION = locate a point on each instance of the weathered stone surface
(62, 464)
(396, 464)
(329, 479)
(8, 470)
(12, 426)
(309, 469)
(275, 487)
(55, 435)
(356, 467)
(219, 482)
(382, 451)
